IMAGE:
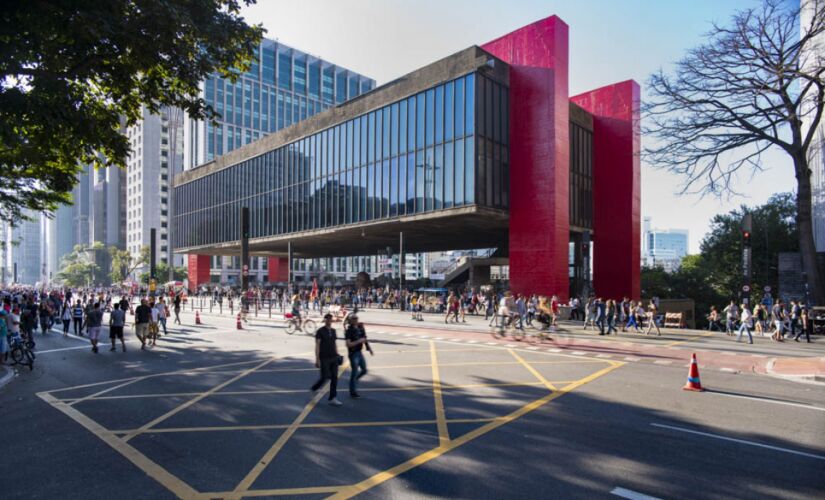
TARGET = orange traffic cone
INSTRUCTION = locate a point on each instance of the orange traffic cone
(693, 382)
(238, 322)
(197, 317)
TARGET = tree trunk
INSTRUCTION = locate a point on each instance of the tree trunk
(804, 224)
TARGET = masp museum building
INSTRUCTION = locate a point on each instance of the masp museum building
(484, 148)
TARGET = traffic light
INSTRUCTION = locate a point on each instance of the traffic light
(746, 235)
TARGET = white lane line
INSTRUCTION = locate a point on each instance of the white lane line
(662, 362)
(533, 348)
(632, 358)
(604, 355)
(492, 343)
(763, 400)
(554, 350)
(63, 349)
(728, 370)
(472, 341)
(741, 441)
(578, 353)
(632, 495)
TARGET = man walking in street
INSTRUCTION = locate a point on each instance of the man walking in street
(93, 322)
(356, 337)
(142, 316)
(778, 318)
(326, 359)
(117, 320)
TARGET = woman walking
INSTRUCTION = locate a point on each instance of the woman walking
(66, 317)
(611, 316)
(652, 310)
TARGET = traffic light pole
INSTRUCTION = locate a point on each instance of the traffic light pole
(747, 257)
(244, 249)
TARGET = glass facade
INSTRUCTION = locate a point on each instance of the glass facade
(411, 156)
(581, 177)
(283, 86)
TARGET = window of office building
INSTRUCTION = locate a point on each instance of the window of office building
(441, 148)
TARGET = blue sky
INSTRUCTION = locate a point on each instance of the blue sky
(610, 41)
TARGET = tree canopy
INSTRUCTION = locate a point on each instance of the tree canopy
(758, 82)
(73, 73)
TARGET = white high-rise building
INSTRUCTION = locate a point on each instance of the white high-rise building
(157, 155)
(24, 249)
(812, 60)
(663, 247)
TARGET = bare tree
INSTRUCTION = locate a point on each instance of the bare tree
(744, 91)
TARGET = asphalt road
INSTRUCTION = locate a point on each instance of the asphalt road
(214, 412)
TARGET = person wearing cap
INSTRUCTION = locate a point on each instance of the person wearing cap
(326, 359)
(356, 337)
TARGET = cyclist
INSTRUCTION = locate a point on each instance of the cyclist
(545, 313)
(506, 309)
(296, 310)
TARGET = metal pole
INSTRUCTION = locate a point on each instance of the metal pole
(401, 260)
(244, 249)
(289, 264)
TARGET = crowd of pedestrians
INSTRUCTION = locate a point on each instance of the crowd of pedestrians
(780, 321)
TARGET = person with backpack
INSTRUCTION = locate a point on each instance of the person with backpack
(117, 321)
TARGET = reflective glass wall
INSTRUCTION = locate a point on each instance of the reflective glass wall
(411, 156)
(282, 86)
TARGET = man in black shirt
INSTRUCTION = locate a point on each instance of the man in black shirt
(326, 358)
(143, 314)
(356, 337)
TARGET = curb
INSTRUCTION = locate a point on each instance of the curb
(9, 375)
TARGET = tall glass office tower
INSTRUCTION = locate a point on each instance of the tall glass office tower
(283, 86)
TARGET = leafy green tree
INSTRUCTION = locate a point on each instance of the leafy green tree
(757, 83)
(78, 267)
(162, 271)
(72, 73)
(123, 263)
(714, 276)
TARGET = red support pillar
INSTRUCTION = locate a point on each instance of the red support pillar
(278, 270)
(198, 270)
(616, 188)
(539, 155)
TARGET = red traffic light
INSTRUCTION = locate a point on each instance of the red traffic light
(746, 234)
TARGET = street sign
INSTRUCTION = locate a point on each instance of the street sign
(746, 288)
(153, 284)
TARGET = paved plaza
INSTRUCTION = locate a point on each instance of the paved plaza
(214, 412)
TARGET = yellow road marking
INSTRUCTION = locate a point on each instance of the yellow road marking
(194, 400)
(176, 372)
(444, 387)
(153, 470)
(440, 416)
(328, 425)
(532, 370)
(256, 471)
(381, 477)
(691, 339)
(274, 492)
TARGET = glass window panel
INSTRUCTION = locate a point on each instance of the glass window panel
(385, 188)
(459, 107)
(341, 87)
(410, 183)
(402, 122)
(285, 70)
(489, 106)
(419, 181)
(400, 176)
(411, 124)
(328, 84)
(430, 133)
(362, 213)
(470, 105)
(371, 191)
(439, 114)
(353, 86)
(379, 134)
(438, 197)
(364, 133)
(394, 130)
(356, 142)
(449, 111)
(459, 172)
(269, 65)
(371, 137)
(385, 153)
(349, 135)
(314, 79)
(300, 75)
(469, 170)
(419, 121)
(449, 175)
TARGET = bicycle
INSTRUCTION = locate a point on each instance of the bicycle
(293, 324)
(508, 325)
(21, 353)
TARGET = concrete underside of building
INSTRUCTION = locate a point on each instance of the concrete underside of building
(564, 169)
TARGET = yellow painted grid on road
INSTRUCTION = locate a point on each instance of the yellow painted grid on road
(118, 439)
